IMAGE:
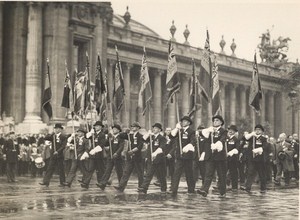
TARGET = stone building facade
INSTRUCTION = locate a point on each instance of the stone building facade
(63, 32)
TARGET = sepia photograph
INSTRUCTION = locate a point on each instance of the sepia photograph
(149, 109)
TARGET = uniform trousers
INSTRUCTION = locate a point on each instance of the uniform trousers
(11, 169)
(210, 167)
(185, 165)
(199, 166)
(253, 168)
(130, 164)
(58, 163)
(233, 171)
(110, 164)
(97, 163)
(160, 170)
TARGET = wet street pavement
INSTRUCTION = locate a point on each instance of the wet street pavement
(26, 199)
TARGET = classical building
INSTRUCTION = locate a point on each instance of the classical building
(32, 32)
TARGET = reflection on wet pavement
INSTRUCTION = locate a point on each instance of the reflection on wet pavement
(26, 199)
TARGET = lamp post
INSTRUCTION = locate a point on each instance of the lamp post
(293, 95)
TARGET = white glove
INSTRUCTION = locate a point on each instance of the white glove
(232, 152)
(48, 143)
(92, 152)
(178, 126)
(158, 151)
(169, 156)
(73, 135)
(97, 149)
(207, 131)
(197, 133)
(202, 156)
(187, 148)
(84, 156)
(213, 147)
(146, 135)
(217, 146)
(259, 150)
(249, 135)
(70, 139)
(89, 134)
(92, 131)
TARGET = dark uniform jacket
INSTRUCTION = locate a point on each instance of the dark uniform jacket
(82, 145)
(219, 135)
(295, 146)
(260, 141)
(12, 150)
(102, 141)
(187, 137)
(59, 143)
(170, 145)
(232, 143)
(135, 141)
(200, 146)
(117, 145)
(158, 141)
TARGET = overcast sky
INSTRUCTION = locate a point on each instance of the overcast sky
(242, 20)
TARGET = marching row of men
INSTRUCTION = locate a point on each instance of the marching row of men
(208, 150)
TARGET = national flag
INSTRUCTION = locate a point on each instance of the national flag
(216, 102)
(67, 94)
(79, 93)
(87, 89)
(195, 92)
(47, 94)
(145, 92)
(255, 89)
(206, 70)
(99, 86)
(172, 81)
(119, 90)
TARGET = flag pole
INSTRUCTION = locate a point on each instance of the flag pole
(178, 119)
(150, 136)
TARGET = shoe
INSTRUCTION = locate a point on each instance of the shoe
(14, 181)
(215, 188)
(80, 181)
(245, 189)
(286, 184)
(119, 188)
(234, 190)
(142, 190)
(101, 186)
(109, 182)
(61, 185)
(67, 184)
(85, 186)
(44, 184)
(163, 193)
(202, 192)
(263, 191)
(222, 195)
(191, 192)
(156, 183)
(277, 183)
(174, 194)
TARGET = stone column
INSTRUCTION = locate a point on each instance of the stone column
(110, 65)
(223, 97)
(34, 65)
(271, 110)
(232, 100)
(243, 101)
(157, 96)
(185, 94)
(126, 114)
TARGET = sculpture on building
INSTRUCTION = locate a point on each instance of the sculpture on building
(275, 52)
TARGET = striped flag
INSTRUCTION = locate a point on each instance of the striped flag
(206, 70)
(99, 86)
(216, 103)
(119, 90)
(255, 89)
(195, 92)
(172, 81)
(47, 94)
(145, 92)
(67, 91)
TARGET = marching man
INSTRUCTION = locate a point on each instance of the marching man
(184, 154)
(157, 160)
(215, 155)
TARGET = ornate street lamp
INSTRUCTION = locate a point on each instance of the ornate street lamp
(293, 95)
